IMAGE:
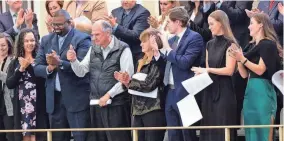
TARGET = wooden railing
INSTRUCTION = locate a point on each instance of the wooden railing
(136, 129)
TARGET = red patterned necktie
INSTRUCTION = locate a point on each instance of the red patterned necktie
(271, 4)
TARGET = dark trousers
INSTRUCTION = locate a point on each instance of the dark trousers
(6, 123)
(239, 88)
(173, 119)
(110, 117)
(152, 119)
(61, 118)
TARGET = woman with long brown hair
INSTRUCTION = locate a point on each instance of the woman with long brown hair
(6, 95)
(218, 100)
(29, 90)
(261, 60)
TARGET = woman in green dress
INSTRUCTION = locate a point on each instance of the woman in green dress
(259, 62)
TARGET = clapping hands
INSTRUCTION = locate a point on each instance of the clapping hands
(122, 77)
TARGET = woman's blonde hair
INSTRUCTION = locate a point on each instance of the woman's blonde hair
(268, 29)
(144, 36)
(221, 17)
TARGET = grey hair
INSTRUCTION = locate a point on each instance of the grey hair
(106, 26)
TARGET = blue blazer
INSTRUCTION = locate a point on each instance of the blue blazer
(6, 24)
(136, 24)
(183, 58)
(275, 17)
(75, 90)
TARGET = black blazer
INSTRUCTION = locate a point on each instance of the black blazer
(239, 20)
(130, 29)
(12, 82)
(6, 24)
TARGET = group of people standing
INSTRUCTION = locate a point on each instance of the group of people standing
(81, 73)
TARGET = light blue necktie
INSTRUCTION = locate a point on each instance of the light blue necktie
(168, 65)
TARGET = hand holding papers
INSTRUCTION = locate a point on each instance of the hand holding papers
(189, 111)
(188, 108)
(142, 77)
(197, 83)
(96, 102)
(277, 80)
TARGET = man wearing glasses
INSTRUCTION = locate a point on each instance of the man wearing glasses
(67, 96)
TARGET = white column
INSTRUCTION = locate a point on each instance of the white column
(3, 6)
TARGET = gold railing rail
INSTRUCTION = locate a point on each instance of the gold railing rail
(136, 129)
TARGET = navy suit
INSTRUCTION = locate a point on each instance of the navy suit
(72, 103)
(130, 27)
(6, 24)
(275, 17)
(187, 54)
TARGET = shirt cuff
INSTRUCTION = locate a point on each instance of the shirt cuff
(47, 71)
(16, 29)
(114, 28)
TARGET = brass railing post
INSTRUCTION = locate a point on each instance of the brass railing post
(227, 134)
(280, 132)
(135, 135)
(49, 136)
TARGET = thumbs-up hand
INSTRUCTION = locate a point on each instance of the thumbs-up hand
(71, 54)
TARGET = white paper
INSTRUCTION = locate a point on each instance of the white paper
(139, 76)
(152, 94)
(197, 83)
(96, 102)
(277, 80)
(189, 111)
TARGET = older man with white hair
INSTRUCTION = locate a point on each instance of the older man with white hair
(110, 103)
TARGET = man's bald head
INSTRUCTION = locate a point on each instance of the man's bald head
(62, 13)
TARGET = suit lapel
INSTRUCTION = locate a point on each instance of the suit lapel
(273, 7)
(55, 44)
(67, 41)
(130, 15)
(183, 38)
(119, 16)
(10, 18)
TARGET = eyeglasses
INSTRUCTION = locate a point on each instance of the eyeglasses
(58, 24)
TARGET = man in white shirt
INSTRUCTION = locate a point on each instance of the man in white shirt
(110, 103)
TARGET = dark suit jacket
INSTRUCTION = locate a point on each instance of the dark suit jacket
(6, 24)
(275, 17)
(187, 55)
(132, 26)
(239, 20)
(75, 90)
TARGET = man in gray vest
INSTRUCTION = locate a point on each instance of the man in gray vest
(110, 103)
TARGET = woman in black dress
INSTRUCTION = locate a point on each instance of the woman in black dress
(28, 89)
(219, 100)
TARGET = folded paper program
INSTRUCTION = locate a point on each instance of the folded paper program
(96, 102)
